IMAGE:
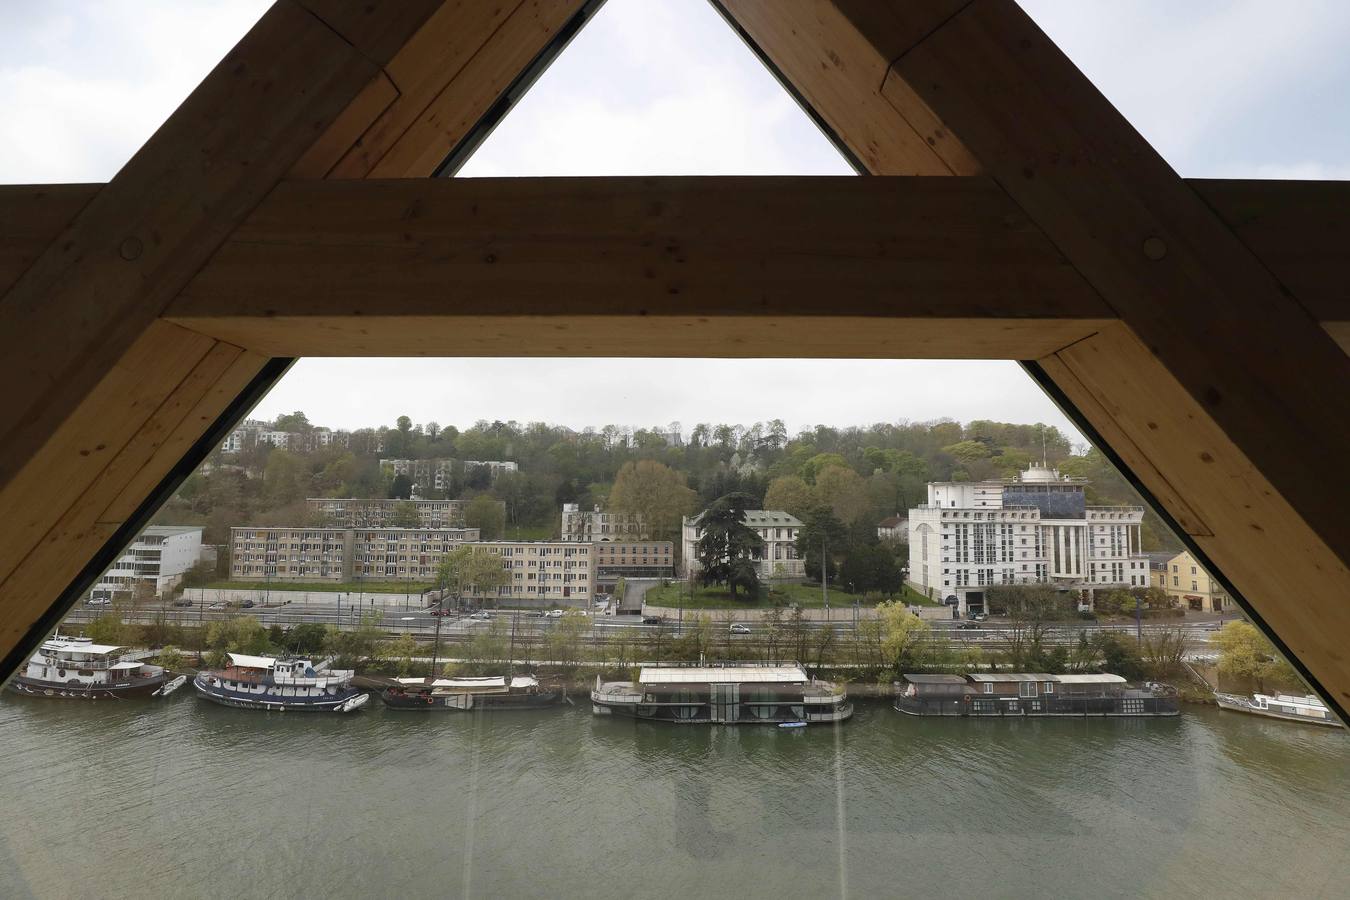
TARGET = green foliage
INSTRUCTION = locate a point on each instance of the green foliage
(870, 568)
(818, 463)
(1245, 653)
(107, 629)
(726, 544)
(656, 492)
(791, 494)
(468, 569)
(171, 658)
(242, 634)
(485, 514)
(402, 652)
(306, 638)
(351, 647)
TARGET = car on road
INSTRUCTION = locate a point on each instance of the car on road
(480, 616)
(967, 626)
(182, 601)
(534, 614)
(247, 604)
(652, 620)
(216, 606)
(738, 628)
(99, 601)
(554, 614)
(442, 612)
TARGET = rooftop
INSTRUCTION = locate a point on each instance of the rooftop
(789, 673)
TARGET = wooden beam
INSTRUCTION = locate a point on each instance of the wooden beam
(835, 54)
(476, 266)
(1223, 381)
(104, 375)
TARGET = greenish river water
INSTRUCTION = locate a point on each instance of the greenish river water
(182, 798)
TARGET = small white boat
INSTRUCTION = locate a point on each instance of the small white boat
(791, 724)
(170, 686)
(354, 703)
(1309, 708)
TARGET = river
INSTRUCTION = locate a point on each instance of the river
(182, 798)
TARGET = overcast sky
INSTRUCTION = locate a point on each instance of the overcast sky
(1222, 89)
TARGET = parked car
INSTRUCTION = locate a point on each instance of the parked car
(738, 628)
(247, 604)
(966, 626)
(99, 601)
(979, 617)
(652, 620)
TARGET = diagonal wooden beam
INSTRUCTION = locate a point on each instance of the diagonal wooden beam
(1217, 374)
(115, 394)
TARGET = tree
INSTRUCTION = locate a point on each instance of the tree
(1245, 653)
(293, 422)
(402, 651)
(725, 541)
(487, 515)
(791, 494)
(285, 478)
(171, 658)
(902, 635)
(821, 461)
(821, 537)
(870, 568)
(306, 638)
(242, 634)
(845, 493)
(107, 629)
(405, 515)
(355, 645)
(401, 487)
(654, 491)
(469, 569)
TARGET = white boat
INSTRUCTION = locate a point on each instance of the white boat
(354, 703)
(80, 669)
(1307, 708)
(170, 686)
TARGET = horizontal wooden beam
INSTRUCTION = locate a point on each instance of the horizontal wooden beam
(610, 265)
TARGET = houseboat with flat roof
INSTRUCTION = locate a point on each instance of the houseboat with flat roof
(79, 669)
(1308, 709)
(495, 693)
(265, 682)
(725, 693)
(1031, 694)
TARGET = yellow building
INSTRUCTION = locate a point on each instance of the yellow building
(1191, 587)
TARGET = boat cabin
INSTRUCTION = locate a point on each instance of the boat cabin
(727, 693)
(1029, 694)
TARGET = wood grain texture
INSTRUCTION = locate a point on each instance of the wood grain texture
(768, 248)
(1216, 339)
(836, 53)
(1244, 521)
(455, 87)
(31, 217)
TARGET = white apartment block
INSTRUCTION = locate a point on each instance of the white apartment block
(593, 525)
(541, 573)
(341, 554)
(359, 513)
(1035, 529)
(777, 558)
(495, 467)
(157, 559)
(426, 474)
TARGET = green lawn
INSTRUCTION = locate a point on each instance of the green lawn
(369, 587)
(805, 595)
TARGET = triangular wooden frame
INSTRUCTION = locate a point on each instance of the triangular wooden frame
(1193, 326)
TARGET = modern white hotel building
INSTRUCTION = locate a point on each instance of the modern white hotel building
(1034, 529)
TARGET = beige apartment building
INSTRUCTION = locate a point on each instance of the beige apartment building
(541, 573)
(356, 513)
(592, 525)
(777, 558)
(341, 555)
(633, 559)
(1191, 587)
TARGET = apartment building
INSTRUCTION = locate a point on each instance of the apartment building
(541, 573)
(340, 555)
(155, 562)
(592, 525)
(1191, 587)
(776, 559)
(495, 467)
(1033, 529)
(357, 513)
(633, 559)
(891, 527)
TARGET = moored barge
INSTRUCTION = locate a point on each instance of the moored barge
(79, 669)
(265, 682)
(494, 693)
(1308, 709)
(1021, 694)
(730, 693)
